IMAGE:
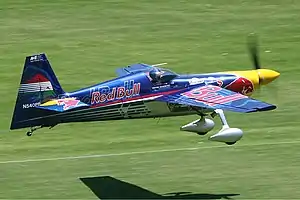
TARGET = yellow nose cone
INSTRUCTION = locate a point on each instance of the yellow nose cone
(266, 76)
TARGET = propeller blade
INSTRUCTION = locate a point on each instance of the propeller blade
(253, 49)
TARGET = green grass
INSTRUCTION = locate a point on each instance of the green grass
(86, 40)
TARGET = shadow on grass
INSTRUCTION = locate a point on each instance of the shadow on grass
(106, 187)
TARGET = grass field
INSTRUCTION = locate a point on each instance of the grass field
(86, 40)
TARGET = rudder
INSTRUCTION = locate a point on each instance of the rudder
(38, 84)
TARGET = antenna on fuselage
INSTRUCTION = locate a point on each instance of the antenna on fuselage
(159, 64)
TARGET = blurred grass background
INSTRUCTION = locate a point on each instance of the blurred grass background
(86, 41)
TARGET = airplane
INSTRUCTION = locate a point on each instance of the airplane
(141, 91)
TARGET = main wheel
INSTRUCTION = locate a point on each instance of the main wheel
(29, 133)
(230, 143)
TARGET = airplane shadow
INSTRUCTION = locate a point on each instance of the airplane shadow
(106, 187)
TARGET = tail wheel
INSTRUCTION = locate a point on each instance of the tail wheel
(29, 133)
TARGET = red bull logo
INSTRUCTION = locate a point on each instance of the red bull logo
(116, 93)
(68, 103)
(213, 95)
(241, 85)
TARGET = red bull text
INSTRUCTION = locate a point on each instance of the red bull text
(116, 93)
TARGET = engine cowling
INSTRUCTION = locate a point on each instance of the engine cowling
(227, 135)
(200, 126)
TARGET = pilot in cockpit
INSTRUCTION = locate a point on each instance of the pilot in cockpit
(161, 76)
(155, 75)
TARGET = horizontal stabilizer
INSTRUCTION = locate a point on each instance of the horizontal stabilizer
(61, 105)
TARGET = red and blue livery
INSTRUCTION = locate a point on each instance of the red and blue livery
(139, 91)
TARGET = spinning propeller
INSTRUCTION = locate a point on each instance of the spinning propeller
(252, 45)
(265, 76)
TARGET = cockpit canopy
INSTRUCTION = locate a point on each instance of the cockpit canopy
(160, 75)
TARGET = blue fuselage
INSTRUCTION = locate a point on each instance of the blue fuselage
(132, 96)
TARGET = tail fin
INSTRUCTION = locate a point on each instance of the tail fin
(38, 84)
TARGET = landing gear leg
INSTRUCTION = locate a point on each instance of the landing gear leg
(227, 135)
(201, 114)
(222, 117)
(32, 129)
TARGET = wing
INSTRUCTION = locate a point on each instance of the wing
(214, 97)
(135, 68)
(61, 105)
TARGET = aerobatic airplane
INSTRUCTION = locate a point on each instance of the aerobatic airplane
(141, 91)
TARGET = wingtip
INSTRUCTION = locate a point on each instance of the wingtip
(262, 109)
(271, 107)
